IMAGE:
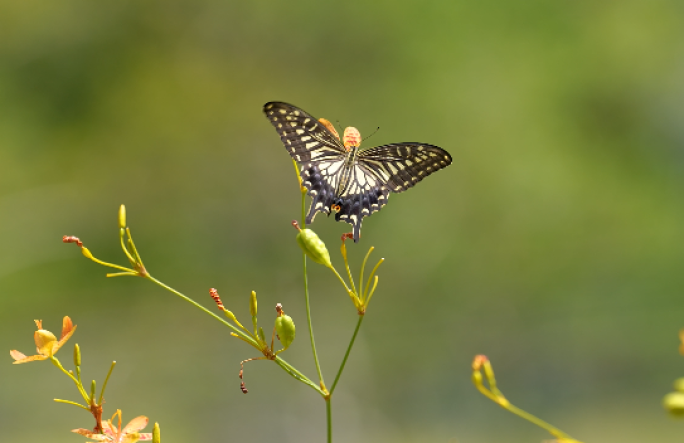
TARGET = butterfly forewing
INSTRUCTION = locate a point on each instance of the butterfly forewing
(305, 138)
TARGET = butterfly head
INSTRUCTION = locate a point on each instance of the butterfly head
(352, 138)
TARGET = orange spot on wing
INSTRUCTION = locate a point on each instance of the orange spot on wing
(330, 127)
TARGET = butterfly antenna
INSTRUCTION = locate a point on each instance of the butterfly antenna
(339, 126)
(366, 138)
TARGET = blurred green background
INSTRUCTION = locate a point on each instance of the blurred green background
(554, 244)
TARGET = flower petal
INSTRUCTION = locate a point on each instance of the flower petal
(64, 338)
(145, 436)
(67, 327)
(136, 424)
(17, 355)
(28, 359)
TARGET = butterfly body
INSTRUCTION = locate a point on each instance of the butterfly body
(339, 176)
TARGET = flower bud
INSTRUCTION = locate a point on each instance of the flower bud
(253, 304)
(313, 247)
(122, 217)
(156, 434)
(77, 355)
(674, 403)
(285, 328)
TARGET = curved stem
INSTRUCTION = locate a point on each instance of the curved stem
(79, 386)
(197, 305)
(104, 385)
(346, 355)
(339, 277)
(297, 375)
(308, 319)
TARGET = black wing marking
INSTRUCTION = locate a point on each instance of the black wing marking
(401, 165)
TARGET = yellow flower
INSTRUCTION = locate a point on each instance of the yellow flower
(114, 434)
(46, 342)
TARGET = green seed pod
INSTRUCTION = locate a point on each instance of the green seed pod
(77, 355)
(92, 390)
(313, 247)
(674, 403)
(285, 328)
(679, 384)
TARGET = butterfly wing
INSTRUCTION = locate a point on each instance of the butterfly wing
(401, 165)
(384, 169)
(318, 153)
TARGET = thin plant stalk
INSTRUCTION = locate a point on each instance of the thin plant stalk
(328, 415)
(346, 355)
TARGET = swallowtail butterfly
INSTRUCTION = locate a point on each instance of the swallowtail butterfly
(341, 178)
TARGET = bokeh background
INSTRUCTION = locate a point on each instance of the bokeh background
(554, 244)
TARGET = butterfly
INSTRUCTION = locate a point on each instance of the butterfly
(341, 178)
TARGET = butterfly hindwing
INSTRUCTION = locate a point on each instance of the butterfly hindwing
(364, 195)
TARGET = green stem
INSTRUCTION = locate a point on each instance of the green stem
(328, 414)
(197, 305)
(297, 375)
(346, 355)
(339, 277)
(308, 319)
(537, 421)
(104, 385)
(79, 386)
(282, 363)
(71, 403)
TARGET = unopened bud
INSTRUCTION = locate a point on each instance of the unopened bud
(314, 247)
(77, 355)
(122, 217)
(156, 434)
(253, 304)
(285, 328)
(674, 403)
